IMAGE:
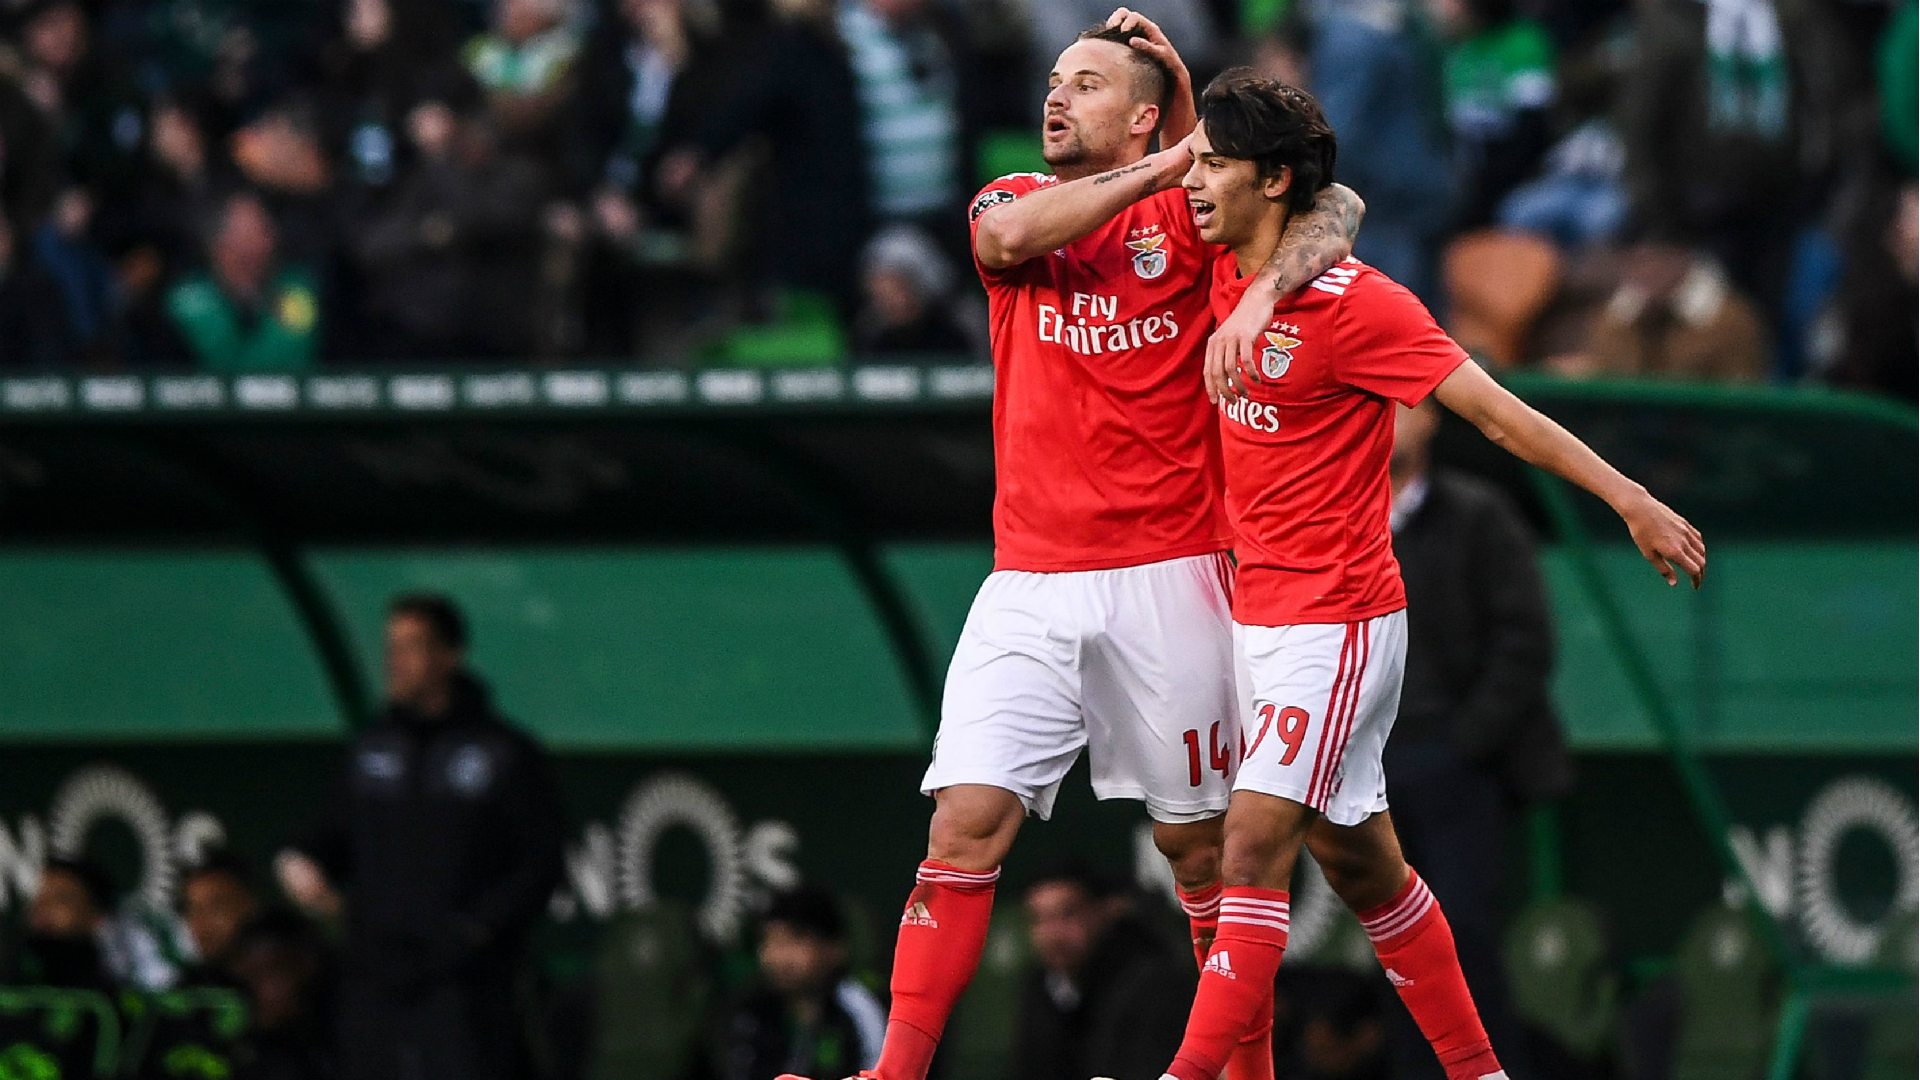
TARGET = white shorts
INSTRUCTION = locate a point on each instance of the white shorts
(1318, 701)
(1134, 664)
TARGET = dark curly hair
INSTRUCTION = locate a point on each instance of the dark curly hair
(1253, 118)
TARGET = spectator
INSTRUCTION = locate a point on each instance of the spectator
(787, 82)
(280, 155)
(651, 66)
(1109, 997)
(1713, 112)
(909, 309)
(389, 59)
(34, 168)
(1500, 88)
(444, 841)
(1877, 311)
(92, 106)
(1675, 315)
(806, 1014)
(526, 66)
(1476, 733)
(248, 311)
(910, 111)
(1376, 71)
(451, 258)
(88, 294)
(34, 333)
(68, 926)
(218, 900)
(284, 967)
(1579, 200)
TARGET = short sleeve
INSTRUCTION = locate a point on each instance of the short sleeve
(1004, 190)
(1388, 343)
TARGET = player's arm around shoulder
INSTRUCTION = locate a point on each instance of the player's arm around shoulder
(1009, 231)
(1314, 243)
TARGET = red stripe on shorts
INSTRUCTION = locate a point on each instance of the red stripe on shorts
(1350, 707)
(1332, 714)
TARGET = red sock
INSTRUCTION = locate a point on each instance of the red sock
(1236, 984)
(1203, 918)
(941, 935)
(1253, 1058)
(1415, 945)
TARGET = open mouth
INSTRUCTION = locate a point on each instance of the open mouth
(1055, 127)
(1202, 212)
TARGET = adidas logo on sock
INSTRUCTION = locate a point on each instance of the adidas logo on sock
(1219, 965)
(917, 915)
(1398, 980)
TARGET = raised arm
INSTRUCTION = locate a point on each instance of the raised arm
(1181, 116)
(1314, 243)
(1057, 215)
(1664, 537)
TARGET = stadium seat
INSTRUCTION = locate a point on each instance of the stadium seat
(1893, 1046)
(192, 1034)
(1729, 999)
(1563, 985)
(805, 333)
(1498, 283)
(651, 996)
(52, 1034)
(984, 1023)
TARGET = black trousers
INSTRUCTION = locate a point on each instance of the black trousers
(1452, 820)
(460, 1029)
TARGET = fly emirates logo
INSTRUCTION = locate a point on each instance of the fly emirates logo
(1088, 326)
(1253, 414)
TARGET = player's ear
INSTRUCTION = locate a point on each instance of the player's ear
(1145, 120)
(1275, 186)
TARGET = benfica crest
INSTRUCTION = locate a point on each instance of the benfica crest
(1149, 256)
(1277, 357)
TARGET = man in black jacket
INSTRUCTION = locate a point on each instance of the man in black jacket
(1110, 994)
(445, 843)
(1476, 732)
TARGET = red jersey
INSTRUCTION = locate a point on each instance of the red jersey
(1105, 448)
(1306, 454)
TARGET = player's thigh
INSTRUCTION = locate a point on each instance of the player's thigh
(1158, 689)
(1319, 701)
(1358, 786)
(1010, 715)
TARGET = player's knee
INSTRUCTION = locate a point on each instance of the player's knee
(1362, 879)
(973, 827)
(1258, 857)
(1192, 849)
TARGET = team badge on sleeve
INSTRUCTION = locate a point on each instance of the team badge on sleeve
(987, 200)
(1149, 256)
(1277, 357)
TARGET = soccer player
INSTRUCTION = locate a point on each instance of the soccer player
(1318, 607)
(1105, 624)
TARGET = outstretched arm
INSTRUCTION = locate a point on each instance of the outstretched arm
(1314, 242)
(1057, 215)
(1181, 116)
(1664, 537)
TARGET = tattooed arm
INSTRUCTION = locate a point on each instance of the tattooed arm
(1058, 214)
(1314, 242)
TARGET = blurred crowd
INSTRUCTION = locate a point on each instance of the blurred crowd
(1701, 188)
